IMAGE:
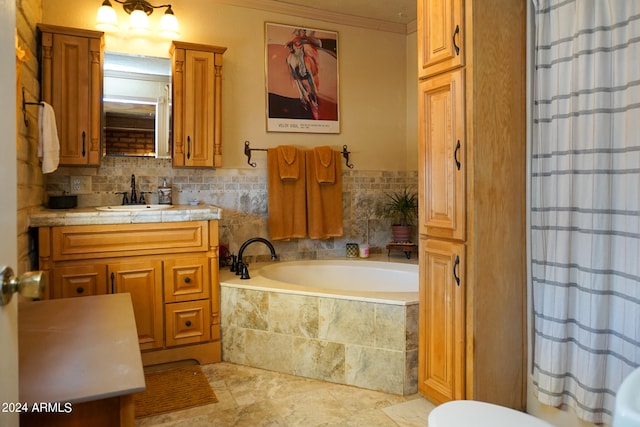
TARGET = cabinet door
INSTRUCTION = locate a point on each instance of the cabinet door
(442, 156)
(79, 281)
(186, 279)
(440, 36)
(188, 322)
(198, 108)
(441, 353)
(72, 84)
(197, 86)
(143, 280)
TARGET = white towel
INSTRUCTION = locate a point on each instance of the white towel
(48, 143)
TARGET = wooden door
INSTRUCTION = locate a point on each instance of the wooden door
(442, 156)
(143, 280)
(440, 36)
(441, 353)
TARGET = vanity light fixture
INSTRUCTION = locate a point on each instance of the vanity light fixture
(139, 10)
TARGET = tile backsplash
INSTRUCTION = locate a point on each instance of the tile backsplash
(242, 194)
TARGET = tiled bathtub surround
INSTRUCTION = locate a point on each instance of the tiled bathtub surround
(242, 195)
(364, 344)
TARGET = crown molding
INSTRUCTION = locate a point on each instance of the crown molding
(321, 15)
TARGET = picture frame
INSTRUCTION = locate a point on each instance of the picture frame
(302, 79)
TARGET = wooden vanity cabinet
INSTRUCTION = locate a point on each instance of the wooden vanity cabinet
(71, 81)
(472, 186)
(196, 72)
(169, 269)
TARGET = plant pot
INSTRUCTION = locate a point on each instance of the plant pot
(402, 233)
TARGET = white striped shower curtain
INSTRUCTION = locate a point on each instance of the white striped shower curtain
(585, 202)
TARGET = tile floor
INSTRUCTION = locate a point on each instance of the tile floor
(255, 397)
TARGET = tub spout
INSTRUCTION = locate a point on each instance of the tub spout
(242, 267)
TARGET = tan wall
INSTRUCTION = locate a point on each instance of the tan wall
(372, 72)
(377, 107)
(30, 178)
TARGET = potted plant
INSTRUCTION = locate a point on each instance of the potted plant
(403, 207)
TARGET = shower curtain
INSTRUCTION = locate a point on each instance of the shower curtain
(585, 202)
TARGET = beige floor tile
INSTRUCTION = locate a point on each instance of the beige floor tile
(255, 397)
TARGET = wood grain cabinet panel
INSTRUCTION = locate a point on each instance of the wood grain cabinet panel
(441, 36)
(80, 281)
(186, 279)
(442, 147)
(143, 280)
(442, 320)
(197, 104)
(170, 269)
(71, 81)
(188, 322)
(472, 187)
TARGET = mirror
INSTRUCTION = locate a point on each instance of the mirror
(136, 106)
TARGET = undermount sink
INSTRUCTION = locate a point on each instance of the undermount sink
(627, 409)
(133, 208)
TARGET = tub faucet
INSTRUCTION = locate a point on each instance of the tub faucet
(242, 268)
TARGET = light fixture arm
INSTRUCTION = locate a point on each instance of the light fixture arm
(131, 5)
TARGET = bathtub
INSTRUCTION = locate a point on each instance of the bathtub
(352, 322)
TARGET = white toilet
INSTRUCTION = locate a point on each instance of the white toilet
(471, 413)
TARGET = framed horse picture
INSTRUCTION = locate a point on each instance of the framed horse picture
(301, 67)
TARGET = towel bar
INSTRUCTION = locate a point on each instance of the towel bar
(248, 150)
(24, 108)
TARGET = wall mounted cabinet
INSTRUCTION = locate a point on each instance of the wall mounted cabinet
(472, 151)
(71, 81)
(441, 41)
(170, 269)
(197, 104)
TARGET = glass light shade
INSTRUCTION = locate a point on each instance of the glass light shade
(139, 22)
(106, 19)
(169, 26)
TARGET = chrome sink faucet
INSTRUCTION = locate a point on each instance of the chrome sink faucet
(242, 268)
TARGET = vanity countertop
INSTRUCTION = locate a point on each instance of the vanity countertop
(42, 217)
(79, 349)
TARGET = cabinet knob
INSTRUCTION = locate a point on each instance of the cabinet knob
(79, 290)
(188, 323)
(187, 280)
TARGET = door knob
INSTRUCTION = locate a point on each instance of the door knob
(30, 285)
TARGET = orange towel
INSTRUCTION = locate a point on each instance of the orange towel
(288, 165)
(324, 200)
(287, 215)
(325, 169)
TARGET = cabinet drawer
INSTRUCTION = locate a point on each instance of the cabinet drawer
(105, 241)
(186, 279)
(187, 322)
(79, 281)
